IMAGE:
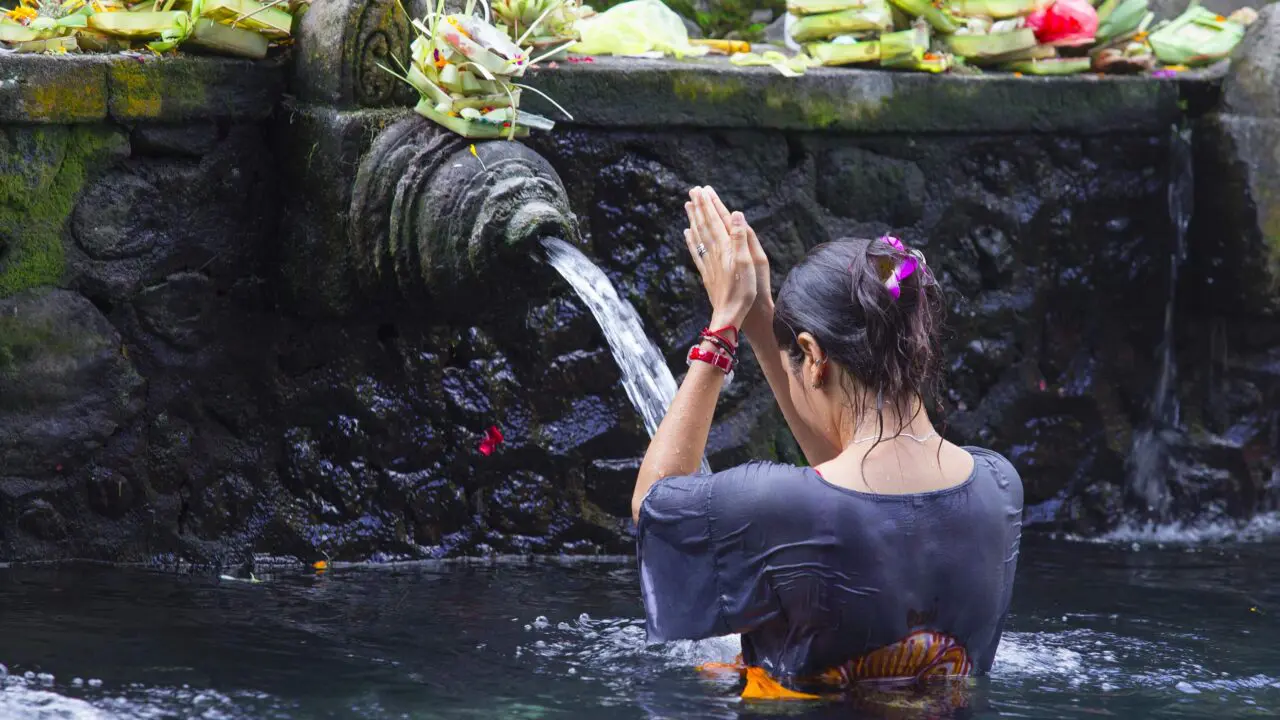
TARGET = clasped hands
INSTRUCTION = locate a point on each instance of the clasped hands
(729, 258)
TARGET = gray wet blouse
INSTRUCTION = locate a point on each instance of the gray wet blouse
(818, 577)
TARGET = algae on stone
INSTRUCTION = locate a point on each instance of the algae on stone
(42, 171)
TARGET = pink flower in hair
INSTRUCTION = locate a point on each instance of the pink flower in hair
(903, 270)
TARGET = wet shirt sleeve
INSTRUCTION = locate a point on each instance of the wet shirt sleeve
(695, 582)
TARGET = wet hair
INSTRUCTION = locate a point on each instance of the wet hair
(889, 346)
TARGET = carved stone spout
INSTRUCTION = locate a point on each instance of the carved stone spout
(427, 213)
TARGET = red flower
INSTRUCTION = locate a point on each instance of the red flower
(492, 439)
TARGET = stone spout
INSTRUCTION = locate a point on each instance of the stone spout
(427, 213)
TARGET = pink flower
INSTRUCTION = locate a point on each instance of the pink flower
(492, 439)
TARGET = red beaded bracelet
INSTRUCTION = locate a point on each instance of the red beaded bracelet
(720, 361)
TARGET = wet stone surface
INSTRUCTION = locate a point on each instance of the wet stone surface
(192, 408)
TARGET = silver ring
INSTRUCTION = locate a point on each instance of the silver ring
(702, 249)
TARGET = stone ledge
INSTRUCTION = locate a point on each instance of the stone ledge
(89, 88)
(624, 92)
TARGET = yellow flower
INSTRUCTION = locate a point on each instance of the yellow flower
(477, 157)
(23, 14)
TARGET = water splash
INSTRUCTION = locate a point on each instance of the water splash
(645, 375)
(613, 651)
(1148, 464)
(1259, 528)
(32, 696)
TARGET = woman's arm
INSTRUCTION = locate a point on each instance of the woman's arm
(728, 274)
(758, 326)
(681, 439)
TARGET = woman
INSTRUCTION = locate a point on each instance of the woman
(892, 556)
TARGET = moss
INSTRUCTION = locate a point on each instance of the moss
(42, 170)
(816, 111)
(821, 110)
(695, 86)
(66, 96)
(170, 88)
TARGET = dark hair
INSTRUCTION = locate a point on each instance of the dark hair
(890, 346)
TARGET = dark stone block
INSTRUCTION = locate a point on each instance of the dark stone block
(193, 139)
(854, 183)
(67, 383)
(109, 493)
(118, 218)
(1233, 266)
(177, 310)
(1249, 88)
(41, 520)
(193, 88)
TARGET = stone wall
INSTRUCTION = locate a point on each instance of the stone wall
(138, 205)
(1229, 303)
(192, 368)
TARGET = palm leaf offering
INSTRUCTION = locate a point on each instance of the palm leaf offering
(988, 44)
(939, 18)
(540, 23)
(909, 50)
(997, 9)
(872, 17)
(851, 52)
(240, 28)
(1051, 66)
(1031, 37)
(464, 69)
(1197, 37)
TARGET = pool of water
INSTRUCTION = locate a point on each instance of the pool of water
(1143, 626)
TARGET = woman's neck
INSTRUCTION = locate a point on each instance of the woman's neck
(887, 425)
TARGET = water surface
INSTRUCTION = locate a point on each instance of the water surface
(1123, 629)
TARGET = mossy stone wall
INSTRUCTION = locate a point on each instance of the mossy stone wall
(43, 169)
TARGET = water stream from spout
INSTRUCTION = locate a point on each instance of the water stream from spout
(1148, 469)
(645, 375)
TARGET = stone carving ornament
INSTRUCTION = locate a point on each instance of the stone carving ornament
(340, 45)
(382, 30)
(428, 213)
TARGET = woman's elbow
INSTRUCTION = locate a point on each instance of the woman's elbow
(644, 481)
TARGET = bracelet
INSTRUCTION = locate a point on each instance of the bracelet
(722, 362)
(717, 337)
(721, 343)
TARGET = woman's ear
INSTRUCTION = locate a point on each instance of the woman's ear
(814, 363)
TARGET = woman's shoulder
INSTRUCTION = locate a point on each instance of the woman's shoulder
(754, 474)
(764, 469)
(733, 490)
(749, 471)
(998, 467)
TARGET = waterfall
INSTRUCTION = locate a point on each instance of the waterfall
(645, 375)
(1148, 465)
